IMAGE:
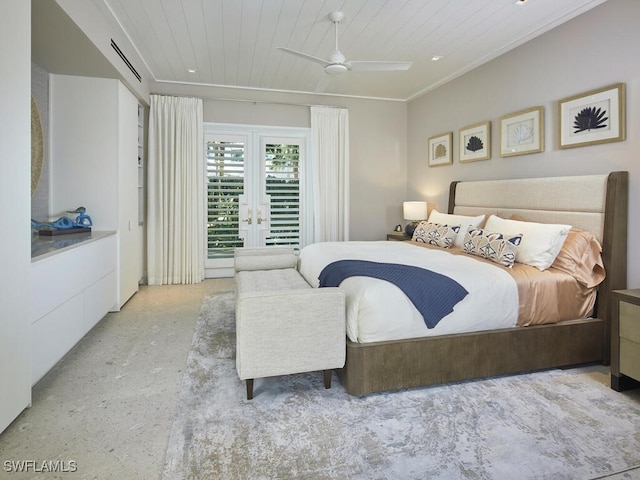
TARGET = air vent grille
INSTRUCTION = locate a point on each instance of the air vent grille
(125, 60)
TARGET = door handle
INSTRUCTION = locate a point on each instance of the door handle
(248, 219)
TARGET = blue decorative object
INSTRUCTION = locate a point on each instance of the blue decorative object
(63, 223)
(82, 220)
(410, 227)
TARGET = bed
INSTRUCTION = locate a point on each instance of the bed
(593, 203)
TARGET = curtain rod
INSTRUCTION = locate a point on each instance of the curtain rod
(266, 102)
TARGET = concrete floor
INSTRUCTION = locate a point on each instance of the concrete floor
(108, 405)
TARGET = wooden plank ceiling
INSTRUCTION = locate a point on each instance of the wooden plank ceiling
(234, 42)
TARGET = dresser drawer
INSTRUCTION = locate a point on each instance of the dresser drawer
(630, 321)
(630, 358)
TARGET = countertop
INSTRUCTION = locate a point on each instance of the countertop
(43, 247)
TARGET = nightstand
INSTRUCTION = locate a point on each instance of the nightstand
(398, 236)
(625, 340)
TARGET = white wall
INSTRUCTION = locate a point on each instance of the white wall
(596, 49)
(15, 207)
(377, 144)
(94, 19)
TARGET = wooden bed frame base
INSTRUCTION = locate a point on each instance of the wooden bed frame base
(393, 365)
(376, 367)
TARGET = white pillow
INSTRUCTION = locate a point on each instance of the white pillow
(541, 242)
(462, 220)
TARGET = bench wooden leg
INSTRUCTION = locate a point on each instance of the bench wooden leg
(327, 378)
(249, 388)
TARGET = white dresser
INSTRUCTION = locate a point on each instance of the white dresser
(73, 286)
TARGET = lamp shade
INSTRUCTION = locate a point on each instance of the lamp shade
(414, 210)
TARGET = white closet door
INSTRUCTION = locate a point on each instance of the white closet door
(15, 208)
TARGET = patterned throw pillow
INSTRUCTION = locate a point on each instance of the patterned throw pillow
(436, 234)
(493, 246)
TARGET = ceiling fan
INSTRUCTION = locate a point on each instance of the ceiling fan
(337, 62)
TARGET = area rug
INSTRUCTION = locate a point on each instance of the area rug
(558, 424)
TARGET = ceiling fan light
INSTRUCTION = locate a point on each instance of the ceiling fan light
(335, 68)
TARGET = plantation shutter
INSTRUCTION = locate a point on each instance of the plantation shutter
(225, 185)
(282, 187)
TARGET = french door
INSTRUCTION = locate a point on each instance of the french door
(256, 186)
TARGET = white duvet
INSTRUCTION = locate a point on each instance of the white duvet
(378, 310)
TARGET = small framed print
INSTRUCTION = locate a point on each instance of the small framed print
(593, 117)
(440, 149)
(522, 132)
(475, 142)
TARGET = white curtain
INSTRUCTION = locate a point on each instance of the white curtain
(330, 170)
(175, 199)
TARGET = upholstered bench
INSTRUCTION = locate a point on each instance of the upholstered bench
(283, 325)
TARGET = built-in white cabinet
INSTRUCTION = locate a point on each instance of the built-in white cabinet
(71, 291)
(95, 146)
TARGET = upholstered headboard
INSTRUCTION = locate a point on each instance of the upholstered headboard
(577, 201)
(596, 203)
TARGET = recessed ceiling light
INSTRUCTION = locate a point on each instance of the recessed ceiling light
(191, 70)
(521, 2)
(435, 58)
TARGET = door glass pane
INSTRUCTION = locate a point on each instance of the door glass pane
(282, 175)
(225, 182)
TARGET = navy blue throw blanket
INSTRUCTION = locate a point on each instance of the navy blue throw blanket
(433, 294)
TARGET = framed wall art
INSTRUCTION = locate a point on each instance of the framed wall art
(440, 149)
(475, 142)
(522, 132)
(593, 117)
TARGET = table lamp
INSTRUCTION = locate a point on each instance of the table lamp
(415, 212)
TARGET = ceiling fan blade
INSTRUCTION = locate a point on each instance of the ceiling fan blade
(374, 66)
(304, 55)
